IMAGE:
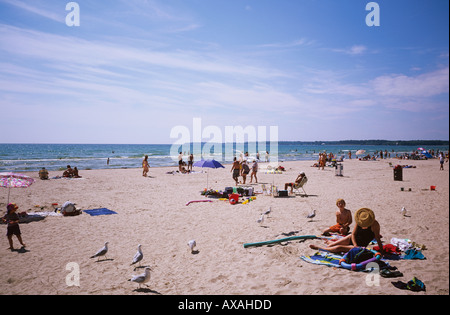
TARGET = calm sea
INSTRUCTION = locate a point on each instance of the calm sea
(32, 157)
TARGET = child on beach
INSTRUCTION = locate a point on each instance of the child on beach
(365, 230)
(12, 219)
(343, 220)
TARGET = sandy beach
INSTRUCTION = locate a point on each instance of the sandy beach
(152, 211)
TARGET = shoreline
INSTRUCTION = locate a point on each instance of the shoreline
(152, 211)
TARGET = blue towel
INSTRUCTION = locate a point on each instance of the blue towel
(101, 211)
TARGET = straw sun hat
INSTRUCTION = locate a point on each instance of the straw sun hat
(364, 217)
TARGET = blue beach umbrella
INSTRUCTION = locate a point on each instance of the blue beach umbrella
(210, 164)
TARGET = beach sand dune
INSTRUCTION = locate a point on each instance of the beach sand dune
(152, 211)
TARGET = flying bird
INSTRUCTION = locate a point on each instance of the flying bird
(192, 244)
(138, 256)
(101, 252)
(142, 278)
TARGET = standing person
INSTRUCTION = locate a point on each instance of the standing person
(180, 161)
(441, 160)
(190, 162)
(254, 171)
(12, 219)
(244, 171)
(236, 170)
(145, 166)
(267, 156)
(322, 159)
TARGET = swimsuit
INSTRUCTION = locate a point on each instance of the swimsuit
(364, 236)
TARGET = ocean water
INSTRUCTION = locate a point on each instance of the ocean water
(32, 157)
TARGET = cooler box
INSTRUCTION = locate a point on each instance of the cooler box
(282, 193)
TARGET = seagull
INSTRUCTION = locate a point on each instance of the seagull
(142, 278)
(403, 211)
(261, 219)
(102, 251)
(311, 215)
(138, 256)
(191, 245)
(268, 211)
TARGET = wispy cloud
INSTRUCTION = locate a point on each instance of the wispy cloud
(44, 12)
(354, 50)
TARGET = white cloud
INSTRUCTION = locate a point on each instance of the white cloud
(354, 50)
(423, 85)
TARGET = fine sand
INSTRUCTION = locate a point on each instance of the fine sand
(152, 211)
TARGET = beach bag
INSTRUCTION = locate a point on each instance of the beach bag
(357, 255)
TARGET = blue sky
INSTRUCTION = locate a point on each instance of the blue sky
(135, 69)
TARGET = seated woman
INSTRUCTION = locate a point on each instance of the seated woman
(297, 181)
(68, 172)
(75, 173)
(366, 229)
(43, 173)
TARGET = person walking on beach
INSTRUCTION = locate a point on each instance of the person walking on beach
(441, 160)
(254, 171)
(12, 219)
(235, 169)
(190, 162)
(145, 166)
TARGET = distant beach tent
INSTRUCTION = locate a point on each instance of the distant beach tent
(210, 164)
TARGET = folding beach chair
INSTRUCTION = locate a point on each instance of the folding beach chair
(300, 185)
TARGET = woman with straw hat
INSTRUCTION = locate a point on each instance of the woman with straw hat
(366, 229)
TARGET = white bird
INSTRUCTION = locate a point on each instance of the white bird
(268, 211)
(138, 256)
(192, 244)
(101, 252)
(403, 211)
(142, 278)
(261, 219)
(311, 215)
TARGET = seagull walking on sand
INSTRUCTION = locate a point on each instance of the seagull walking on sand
(261, 219)
(101, 252)
(311, 215)
(403, 211)
(192, 244)
(138, 256)
(142, 278)
(268, 211)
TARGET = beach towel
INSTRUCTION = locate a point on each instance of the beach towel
(100, 211)
(323, 258)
